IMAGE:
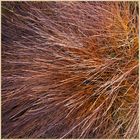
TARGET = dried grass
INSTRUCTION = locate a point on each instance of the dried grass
(70, 70)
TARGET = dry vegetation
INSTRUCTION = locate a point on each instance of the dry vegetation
(70, 70)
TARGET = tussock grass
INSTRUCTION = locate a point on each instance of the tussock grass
(70, 70)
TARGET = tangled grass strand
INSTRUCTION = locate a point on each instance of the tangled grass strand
(70, 69)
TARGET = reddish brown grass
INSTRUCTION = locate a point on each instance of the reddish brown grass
(70, 70)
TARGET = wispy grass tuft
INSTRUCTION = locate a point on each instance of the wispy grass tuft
(70, 69)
